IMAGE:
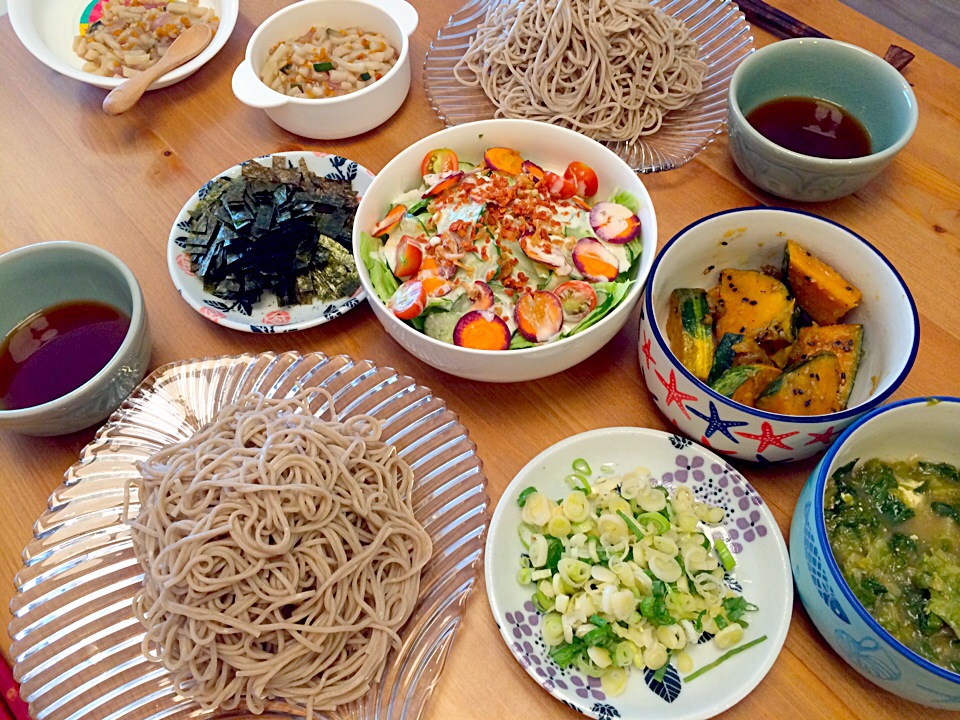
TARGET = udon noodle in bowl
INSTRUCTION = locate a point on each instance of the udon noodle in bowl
(281, 555)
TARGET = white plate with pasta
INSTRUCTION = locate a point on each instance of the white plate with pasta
(76, 638)
(697, 605)
(653, 125)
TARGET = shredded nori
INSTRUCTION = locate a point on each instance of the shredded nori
(278, 228)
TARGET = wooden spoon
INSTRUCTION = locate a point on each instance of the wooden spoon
(187, 46)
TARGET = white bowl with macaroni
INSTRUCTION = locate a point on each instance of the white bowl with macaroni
(47, 29)
(316, 109)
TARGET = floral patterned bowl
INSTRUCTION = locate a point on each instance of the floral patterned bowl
(750, 238)
(267, 316)
(918, 427)
(762, 573)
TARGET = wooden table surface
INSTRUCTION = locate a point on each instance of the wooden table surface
(70, 172)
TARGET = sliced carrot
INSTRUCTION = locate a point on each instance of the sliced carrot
(390, 221)
(594, 261)
(481, 330)
(443, 185)
(533, 170)
(504, 160)
(539, 315)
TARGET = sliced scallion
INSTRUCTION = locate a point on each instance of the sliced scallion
(579, 482)
(364, 76)
(323, 66)
(726, 656)
(581, 466)
(726, 557)
(524, 494)
(631, 525)
(658, 521)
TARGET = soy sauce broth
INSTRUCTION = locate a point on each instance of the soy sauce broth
(56, 350)
(811, 126)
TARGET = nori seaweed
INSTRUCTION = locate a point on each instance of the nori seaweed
(279, 229)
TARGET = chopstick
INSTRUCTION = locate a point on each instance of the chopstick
(779, 23)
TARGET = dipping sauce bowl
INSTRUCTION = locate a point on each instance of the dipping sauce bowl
(48, 274)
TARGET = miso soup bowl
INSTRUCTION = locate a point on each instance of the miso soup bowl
(747, 239)
(334, 117)
(38, 276)
(926, 428)
(865, 85)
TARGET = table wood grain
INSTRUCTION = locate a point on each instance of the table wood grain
(70, 172)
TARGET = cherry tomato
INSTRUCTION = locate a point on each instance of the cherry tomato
(577, 298)
(409, 300)
(438, 161)
(583, 177)
(409, 257)
(558, 187)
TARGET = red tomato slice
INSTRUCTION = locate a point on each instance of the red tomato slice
(583, 177)
(409, 300)
(409, 257)
(577, 298)
(389, 222)
(439, 161)
(557, 187)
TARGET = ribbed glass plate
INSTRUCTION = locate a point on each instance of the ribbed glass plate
(76, 644)
(717, 25)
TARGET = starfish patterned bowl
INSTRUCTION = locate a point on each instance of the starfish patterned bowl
(917, 427)
(761, 574)
(751, 238)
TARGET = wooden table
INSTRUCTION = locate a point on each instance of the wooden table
(70, 172)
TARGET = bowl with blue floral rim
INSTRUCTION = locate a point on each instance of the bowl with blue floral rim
(268, 314)
(760, 575)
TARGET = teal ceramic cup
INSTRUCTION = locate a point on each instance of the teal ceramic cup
(865, 85)
(39, 276)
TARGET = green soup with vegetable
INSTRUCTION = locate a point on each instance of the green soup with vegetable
(894, 528)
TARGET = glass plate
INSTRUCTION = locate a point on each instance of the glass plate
(762, 574)
(76, 644)
(717, 25)
(268, 315)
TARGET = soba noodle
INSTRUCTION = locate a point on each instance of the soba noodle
(281, 555)
(610, 69)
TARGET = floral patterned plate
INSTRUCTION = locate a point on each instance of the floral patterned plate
(267, 316)
(762, 574)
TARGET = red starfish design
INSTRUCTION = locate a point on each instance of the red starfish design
(646, 351)
(674, 395)
(825, 437)
(766, 438)
(706, 443)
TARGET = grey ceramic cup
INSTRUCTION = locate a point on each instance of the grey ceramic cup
(865, 85)
(38, 276)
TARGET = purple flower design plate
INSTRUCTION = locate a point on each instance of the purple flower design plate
(762, 573)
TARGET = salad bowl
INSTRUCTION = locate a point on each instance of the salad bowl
(552, 149)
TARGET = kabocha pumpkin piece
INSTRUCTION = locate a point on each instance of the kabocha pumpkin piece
(819, 289)
(723, 356)
(844, 341)
(743, 383)
(757, 306)
(808, 388)
(690, 331)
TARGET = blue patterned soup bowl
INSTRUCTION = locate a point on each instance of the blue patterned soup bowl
(923, 429)
(756, 239)
(850, 79)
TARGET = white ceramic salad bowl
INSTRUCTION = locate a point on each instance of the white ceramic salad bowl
(749, 238)
(552, 148)
(761, 574)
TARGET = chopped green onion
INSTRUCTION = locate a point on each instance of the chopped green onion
(726, 557)
(579, 482)
(524, 576)
(721, 621)
(542, 574)
(524, 494)
(631, 524)
(364, 76)
(525, 561)
(726, 656)
(323, 66)
(581, 466)
(661, 671)
(565, 654)
(659, 522)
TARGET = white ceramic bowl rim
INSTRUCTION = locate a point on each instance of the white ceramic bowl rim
(520, 352)
(820, 480)
(136, 320)
(337, 100)
(802, 419)
(872, 158)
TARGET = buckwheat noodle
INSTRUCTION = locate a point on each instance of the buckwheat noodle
(281, 555)
(610, 69)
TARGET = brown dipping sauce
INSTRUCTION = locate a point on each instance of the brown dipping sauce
(56, 350)
(811, 127)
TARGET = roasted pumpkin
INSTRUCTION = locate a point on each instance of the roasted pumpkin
(690, 330)
(819, 289)
(723, 356)
(844, 341)
(811, 387)
(743, 383)
(757, 306)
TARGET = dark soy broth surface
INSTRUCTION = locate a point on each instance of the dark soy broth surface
(811, 127)
(56, 350)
